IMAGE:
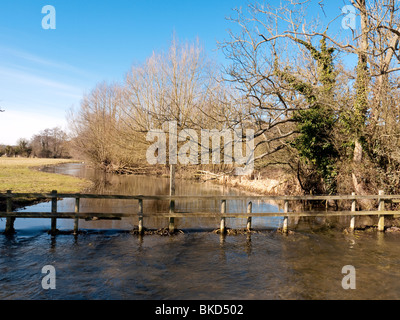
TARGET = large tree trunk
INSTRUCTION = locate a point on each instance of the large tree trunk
(361, 101)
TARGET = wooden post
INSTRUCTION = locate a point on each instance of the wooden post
(285, 218)
(249, 210)
(76, 221)
(171, 225)
(223, 219)
(381, 218)
(353, 218)
(171, 222)
(53, 210)
(140, 226)
(10, 220)
(172, 179)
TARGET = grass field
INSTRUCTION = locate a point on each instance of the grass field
(20, 176)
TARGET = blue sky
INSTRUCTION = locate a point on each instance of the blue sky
(43, 73)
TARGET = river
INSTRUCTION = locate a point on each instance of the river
(105, 261)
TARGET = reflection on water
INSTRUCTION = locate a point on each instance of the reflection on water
(198, 265)
(142, 185)
(113, 264)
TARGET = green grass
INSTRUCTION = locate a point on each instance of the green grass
(20, 176)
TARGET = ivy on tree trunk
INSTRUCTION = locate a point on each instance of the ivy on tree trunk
(315, 124)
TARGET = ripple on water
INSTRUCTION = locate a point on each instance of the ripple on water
(112, 264)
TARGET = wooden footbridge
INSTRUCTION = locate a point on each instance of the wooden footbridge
(381, 199)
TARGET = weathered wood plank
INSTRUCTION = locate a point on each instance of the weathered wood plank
(54, 211)
(65, 215)
(171, 224)
(76, 220)
(353, 218)
(140, 225)
(10, 221)
(249, 219)
(223, 218)
(381, 218)
(286, 217)
(196, 197)
(83, 215)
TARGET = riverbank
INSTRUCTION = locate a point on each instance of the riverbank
(23, 175)
(261, 183)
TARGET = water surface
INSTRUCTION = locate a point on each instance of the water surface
(107, 262)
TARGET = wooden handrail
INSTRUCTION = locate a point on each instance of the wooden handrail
(198, 197)
(172, 213)
(82, 215)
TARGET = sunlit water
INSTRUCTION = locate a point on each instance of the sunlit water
(107, 262)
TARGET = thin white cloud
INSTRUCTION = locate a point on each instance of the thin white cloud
(28, 78)
(29, 57)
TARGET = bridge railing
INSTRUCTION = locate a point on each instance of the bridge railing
(54, 214)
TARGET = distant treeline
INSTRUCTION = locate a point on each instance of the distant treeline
(49, 143)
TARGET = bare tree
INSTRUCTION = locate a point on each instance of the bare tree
(181, 85)
(94, 126)
(49, 143)
(284, 32)
(171, 86)
(288, 80)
